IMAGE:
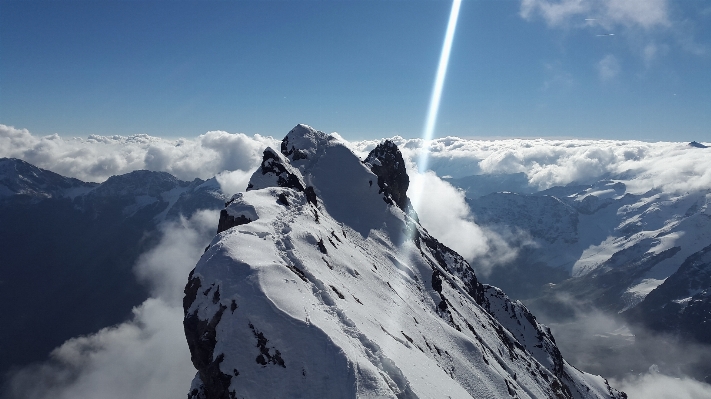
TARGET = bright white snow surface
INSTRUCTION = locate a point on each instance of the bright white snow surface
(345, 300)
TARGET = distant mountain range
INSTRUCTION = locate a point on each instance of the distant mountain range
(69, 247)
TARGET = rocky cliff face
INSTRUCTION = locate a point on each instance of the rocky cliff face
(329, 287)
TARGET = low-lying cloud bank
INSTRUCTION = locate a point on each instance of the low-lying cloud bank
(642, 363)
(145, 357)
(655, 385)
(669, 166)
(96, 158)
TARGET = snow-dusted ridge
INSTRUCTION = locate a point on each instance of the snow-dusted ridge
(321, 283)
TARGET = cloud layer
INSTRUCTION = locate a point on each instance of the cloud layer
(643, 364)
(670, 166)
(96, 158)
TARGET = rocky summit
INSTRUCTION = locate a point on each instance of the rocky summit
(321, 283)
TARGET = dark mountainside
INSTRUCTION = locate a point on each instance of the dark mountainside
(69, 247)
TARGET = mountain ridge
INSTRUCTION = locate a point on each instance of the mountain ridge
(328, 287)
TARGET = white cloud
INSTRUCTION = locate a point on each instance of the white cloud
(646, 14)
(445, 214)
(146, 357)
(649, 27)
(555, 13)
(671, 166)
(608, 67)
(235, 181)
(96, 158)
(659, 386)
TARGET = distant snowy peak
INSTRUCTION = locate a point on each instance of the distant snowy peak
(19, 178)
(157, 193)
(697, 145)
(319, 284)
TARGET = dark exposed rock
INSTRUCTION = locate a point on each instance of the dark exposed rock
(228, 221)
(311, 195)
(454, 263)
(281, 199)
(265, 357)
(387, 163)
(202, 338)
(697, 145)
(337, 292)
(437, 281)
(271, 163)
(216, 296)
(291, 151)
(191, 290)
(321, 246)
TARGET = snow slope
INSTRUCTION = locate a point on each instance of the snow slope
(322, 283)
(618, 246)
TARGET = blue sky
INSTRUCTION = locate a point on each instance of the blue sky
(529, 68)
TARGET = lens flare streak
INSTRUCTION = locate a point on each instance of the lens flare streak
(438, 85)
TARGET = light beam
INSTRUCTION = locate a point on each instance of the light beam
(438, 85)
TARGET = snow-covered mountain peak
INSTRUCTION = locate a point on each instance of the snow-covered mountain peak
(19, 178)
(138, 182)
(303, 144)
(332, 177)
(326, 288)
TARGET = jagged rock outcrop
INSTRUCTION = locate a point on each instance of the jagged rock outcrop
(337, 291)
(387, 163)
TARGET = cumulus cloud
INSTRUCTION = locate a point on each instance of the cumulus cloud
(445, 214)
(96, 158)
(146, 357)
(608, 67)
